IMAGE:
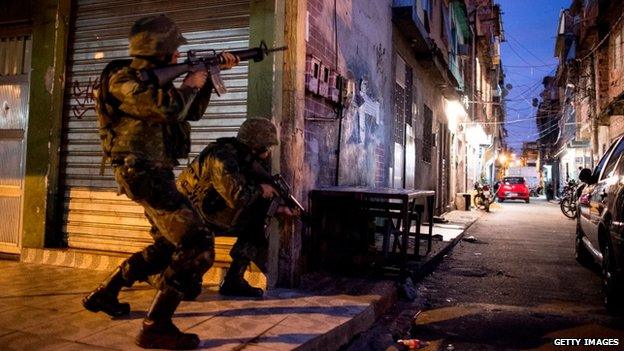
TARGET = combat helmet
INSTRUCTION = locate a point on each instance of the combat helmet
(258, 132)
(155, 36)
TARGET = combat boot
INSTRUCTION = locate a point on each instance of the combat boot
(104, 297)
(158, 330)
(234, 283)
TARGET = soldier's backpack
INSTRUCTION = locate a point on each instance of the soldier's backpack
(107, 109)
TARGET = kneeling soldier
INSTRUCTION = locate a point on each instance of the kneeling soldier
(232, 199)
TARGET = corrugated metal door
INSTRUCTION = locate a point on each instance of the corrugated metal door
(14, 87)
(95, 217)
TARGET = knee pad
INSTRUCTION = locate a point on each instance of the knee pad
(191, 291)
(158, 255)
(134, 268)
(186, 271)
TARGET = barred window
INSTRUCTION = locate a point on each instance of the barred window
(427, 135)
(399, 113)
(409, 82)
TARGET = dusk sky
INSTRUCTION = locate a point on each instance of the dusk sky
(527, 55)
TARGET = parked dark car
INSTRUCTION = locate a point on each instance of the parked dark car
(600, 223)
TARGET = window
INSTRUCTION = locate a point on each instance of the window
(609, 170)
(427, 135)
(427, 6)
(409, 83)
(513, 180)
(399, 100)
(602, 162)
(399, 113)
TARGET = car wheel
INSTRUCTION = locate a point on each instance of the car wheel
(527, 201)
(581, 254)
(501, 199)
(611, 283)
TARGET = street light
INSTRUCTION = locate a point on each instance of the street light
(502, 159)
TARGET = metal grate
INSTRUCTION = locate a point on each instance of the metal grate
(95, 217)
(427, 134)
(15, 55)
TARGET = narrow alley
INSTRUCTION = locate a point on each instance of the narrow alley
(517, 286)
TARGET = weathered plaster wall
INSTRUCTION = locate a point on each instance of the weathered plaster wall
(426, 93)
(616, 57)
(364, 36)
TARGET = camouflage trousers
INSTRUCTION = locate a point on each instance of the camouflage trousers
(251, 247)
(252, 244)
(183, 248)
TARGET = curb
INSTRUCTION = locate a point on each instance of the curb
(424, 269)
(344, 333)
(430, 265)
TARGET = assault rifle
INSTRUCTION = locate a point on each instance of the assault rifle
(283, 189)
(210, 63)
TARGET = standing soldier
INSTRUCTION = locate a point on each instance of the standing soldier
(224, 188)
(144, 130)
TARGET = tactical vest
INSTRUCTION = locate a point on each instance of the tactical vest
(197, 187)
(107, 109)
(176, 136)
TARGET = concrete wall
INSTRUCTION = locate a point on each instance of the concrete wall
(616, 56)
(364, 55)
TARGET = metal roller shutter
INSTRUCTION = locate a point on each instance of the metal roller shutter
(94, 216)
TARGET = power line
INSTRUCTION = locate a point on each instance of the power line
(531, 66)
(527, 50)
(517, 54)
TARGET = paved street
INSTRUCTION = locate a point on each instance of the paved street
(517, 287)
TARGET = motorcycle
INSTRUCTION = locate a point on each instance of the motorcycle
(568, 199)
(483, 198)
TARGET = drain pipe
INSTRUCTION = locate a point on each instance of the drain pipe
(341, 87)
(340, 115)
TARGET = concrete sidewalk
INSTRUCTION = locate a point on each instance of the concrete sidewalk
(41, 308)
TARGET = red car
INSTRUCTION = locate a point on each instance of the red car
(513, 188)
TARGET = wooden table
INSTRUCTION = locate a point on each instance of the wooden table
(399, 206)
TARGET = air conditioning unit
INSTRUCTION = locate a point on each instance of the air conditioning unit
(497, 92)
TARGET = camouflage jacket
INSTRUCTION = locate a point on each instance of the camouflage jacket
(148, 114)
(220, 185)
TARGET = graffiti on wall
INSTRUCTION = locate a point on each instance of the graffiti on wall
(366, 118)
(363, 135)
(82, 98)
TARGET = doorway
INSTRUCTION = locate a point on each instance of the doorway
(14, 90)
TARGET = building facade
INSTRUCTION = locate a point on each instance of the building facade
(589, 87)
(403, 94)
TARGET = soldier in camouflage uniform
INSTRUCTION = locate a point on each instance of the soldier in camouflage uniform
(224, 188)
(144, 129)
